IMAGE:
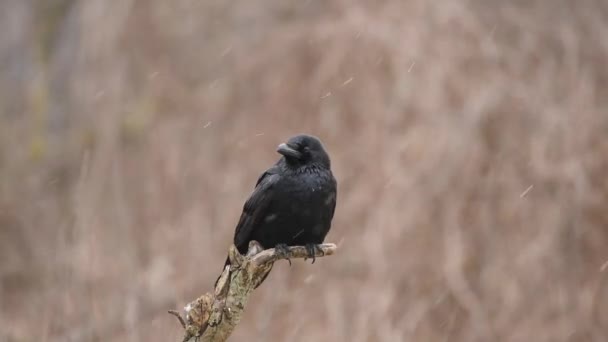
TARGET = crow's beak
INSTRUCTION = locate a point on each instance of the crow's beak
(289, 152)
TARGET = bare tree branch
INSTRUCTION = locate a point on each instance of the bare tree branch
(213, 316)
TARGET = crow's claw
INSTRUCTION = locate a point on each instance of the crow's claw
(283, 252)
(311, 250)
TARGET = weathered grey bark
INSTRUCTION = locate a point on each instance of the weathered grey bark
(213, 316)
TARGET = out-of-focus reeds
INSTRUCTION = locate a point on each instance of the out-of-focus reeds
(469, 139)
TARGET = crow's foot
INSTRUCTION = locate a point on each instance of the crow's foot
(311, 250)
(283, 252)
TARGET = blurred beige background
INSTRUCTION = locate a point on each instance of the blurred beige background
(469, 139)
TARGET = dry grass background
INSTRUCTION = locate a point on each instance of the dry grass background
(469, 138)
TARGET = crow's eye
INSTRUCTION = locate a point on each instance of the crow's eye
(306, 149)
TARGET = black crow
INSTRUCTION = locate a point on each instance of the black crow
(293, 202)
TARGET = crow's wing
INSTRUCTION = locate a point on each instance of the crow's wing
(333, 199)
(255, 208)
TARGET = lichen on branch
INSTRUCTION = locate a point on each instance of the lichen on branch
(213, 316)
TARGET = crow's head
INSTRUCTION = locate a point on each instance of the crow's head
(304, 149)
